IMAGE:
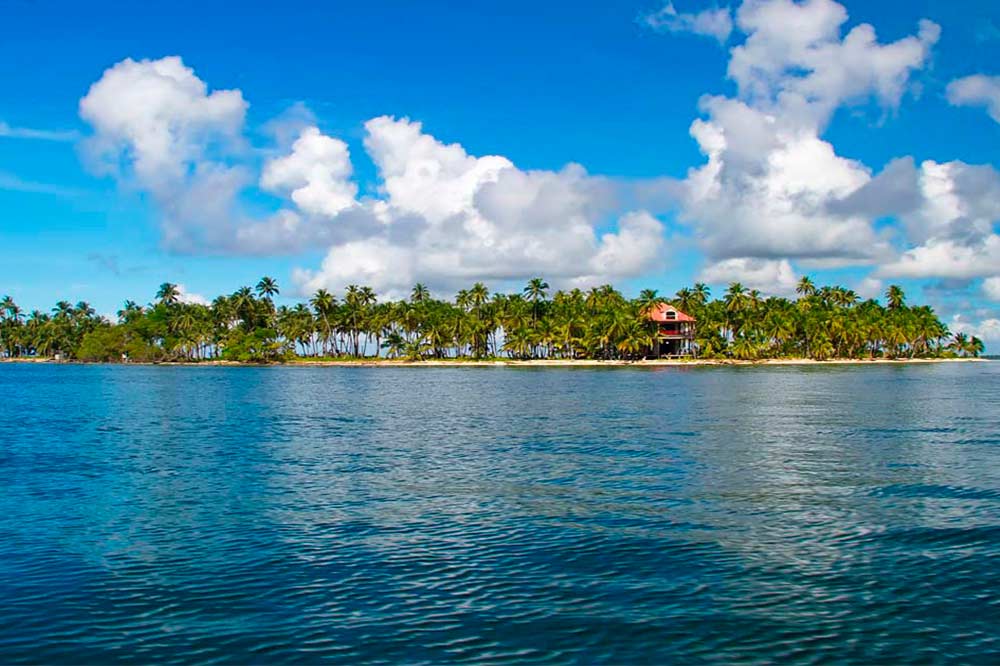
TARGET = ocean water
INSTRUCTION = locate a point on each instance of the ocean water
(414, 515)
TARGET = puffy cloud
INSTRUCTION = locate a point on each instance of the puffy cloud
(870, 287)
(959, 201)
(977, 90)
(441, 215)
(375, 262)
(794, 58)
(716, 22)
(770, 276)
(316, 174)
(772, 188)
(635, 246)
(157, 127)
(158, 116)
(447, 217)
(947, 258)
(991, 288)
(765, 189)
(421, 175)
(952, 225)
(185, 296)
(771, 191)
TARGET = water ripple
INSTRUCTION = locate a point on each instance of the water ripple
(249, 515)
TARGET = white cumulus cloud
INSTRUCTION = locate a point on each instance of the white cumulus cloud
(316, 174)
(947, 258)
(768, 188)
(770, 276)
(772, 190)
(977, 90)
(795, 59)
(440, 215)
(447, 217)
(991, 288)
(158, 128)
(870, 287)
(185, 296)
(765, 189)
(159, 117)
(951, 224)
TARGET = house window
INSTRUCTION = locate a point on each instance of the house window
(671, 314)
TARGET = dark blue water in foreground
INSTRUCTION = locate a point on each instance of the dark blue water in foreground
(254, 515)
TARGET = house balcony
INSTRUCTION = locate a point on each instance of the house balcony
(678, 332)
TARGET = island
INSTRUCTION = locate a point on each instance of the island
(535, 326)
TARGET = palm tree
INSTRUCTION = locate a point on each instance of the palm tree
(419, 293)
(701, 293)
(323, 304)
(535, 292)
(129, 310)
(736, 302)
(417, 349)
(805, 287)
(168, 293)
(963, 345)
(844, 298)
(9, 306)
(395, 344)
(976, 346)
(245, 307)
(182, 325)
(895, 299)
(686, 300)
(648, 300)
(536, 289)
(959, 343)
(518, 343)
(745, 348)
(267, 288)
(735, 297)
(478, 295)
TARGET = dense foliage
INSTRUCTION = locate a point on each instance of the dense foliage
(601, 323)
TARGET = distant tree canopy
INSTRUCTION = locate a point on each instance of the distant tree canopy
(601, 323)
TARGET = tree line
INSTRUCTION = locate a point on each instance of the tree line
(600, 323)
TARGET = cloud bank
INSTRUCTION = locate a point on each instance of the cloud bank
(441, 216)
(772, 196)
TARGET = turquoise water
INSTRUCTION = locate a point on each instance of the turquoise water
(701, 515)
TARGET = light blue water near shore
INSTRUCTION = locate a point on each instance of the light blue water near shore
(253, 515)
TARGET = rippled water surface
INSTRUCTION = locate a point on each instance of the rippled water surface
(812, 515)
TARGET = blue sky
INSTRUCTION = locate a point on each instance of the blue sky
(613, 87)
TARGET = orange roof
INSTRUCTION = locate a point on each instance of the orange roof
(659, 313)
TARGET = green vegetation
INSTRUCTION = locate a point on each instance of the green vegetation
(823, 323)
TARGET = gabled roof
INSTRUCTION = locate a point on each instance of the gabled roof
(659, 313)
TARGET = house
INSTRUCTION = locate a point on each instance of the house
(674, 331)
